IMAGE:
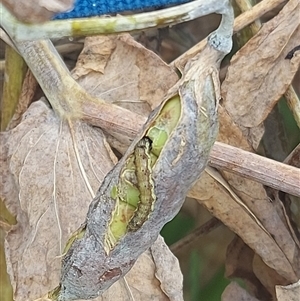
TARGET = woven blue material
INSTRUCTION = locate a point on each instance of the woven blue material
(89, 8)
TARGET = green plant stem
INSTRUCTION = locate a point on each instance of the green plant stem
(15, 69)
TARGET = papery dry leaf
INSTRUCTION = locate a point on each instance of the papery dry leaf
(289, 292)
(255, 197)
(262, 71)
(125, 73)
(223, 205)
(252, 196)
(35, 11)
(94, 57)
(233, 292)
(267, 276)
(230, 133)
(143, 283)
(34, 152)
(281, 253)
(167, 270)
(57, 168)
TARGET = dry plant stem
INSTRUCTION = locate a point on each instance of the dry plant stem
(51, 73)
(244, 6)
(114, 119)
(293, 102)
(200, 231)
(256, 12)
(266, 171)
(240, 22)
(66, 96)
(222, 156)
(103, 25)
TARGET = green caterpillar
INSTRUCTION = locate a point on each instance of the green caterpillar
(134, 193)
(145, 184)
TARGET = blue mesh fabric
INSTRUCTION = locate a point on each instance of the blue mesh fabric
(89, 8)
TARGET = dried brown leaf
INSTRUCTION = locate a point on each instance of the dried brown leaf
(125, 73)
(267, 276)
(289, 292)
(167, 270)
(155, 276)
(35, 11)
(223, 205)
(94, 56)
(245, 208)
(57, 167)
(262, 71)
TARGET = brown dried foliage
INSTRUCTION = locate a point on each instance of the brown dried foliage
(51, 169)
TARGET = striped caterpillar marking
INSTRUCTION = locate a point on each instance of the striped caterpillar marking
(144, 183)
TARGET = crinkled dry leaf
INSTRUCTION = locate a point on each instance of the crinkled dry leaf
(65, 165)
(37, 10)
(57, 167)
(262, 71)
(233, 292)
(93, 58)
(167, 270)
(125, 73)
(289, 292)
(226, 206)
(155, 276)
(65, 162)
(260, 225)
(268, 277)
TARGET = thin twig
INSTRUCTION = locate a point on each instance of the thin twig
(202, 230)
(263, 170)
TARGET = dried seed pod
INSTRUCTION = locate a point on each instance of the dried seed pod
(92, 263)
